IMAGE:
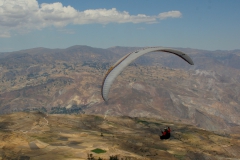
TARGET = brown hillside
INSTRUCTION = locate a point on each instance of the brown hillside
(38, 136)
(156, 85)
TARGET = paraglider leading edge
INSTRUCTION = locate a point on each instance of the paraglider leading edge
(123, 62)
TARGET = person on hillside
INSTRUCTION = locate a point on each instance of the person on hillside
(169, 130)
(166, 134)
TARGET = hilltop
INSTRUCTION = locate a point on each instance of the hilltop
(38, 136)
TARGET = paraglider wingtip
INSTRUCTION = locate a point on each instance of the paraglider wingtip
(191, 62)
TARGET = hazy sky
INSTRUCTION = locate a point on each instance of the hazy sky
(201, 24)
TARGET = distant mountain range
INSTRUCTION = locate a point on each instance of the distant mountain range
(156, 85)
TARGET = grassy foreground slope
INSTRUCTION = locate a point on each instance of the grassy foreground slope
(38, 136)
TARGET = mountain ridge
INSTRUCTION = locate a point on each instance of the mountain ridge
(158, 85)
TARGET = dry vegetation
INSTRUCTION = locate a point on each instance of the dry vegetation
(196, 97)
(69, 81)
(38, 136)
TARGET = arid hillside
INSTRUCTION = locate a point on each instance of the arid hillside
(156, 85)
(37, 136)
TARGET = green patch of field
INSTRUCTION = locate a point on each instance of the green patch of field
(98, 151)
(157, 124)
(98, 118)
(143, 122)
(181, 157)
(46, 139)
(160, 148)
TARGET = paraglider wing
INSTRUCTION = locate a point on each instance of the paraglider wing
(118, 67)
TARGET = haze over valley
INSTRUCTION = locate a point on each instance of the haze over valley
(56, 93)
(156, 85)
(58, 60)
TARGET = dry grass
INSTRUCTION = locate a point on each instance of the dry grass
(76, 136)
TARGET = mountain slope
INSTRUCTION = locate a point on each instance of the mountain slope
(39, 136)
(156, 85)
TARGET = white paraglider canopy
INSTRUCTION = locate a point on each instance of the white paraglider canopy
(118, 67)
